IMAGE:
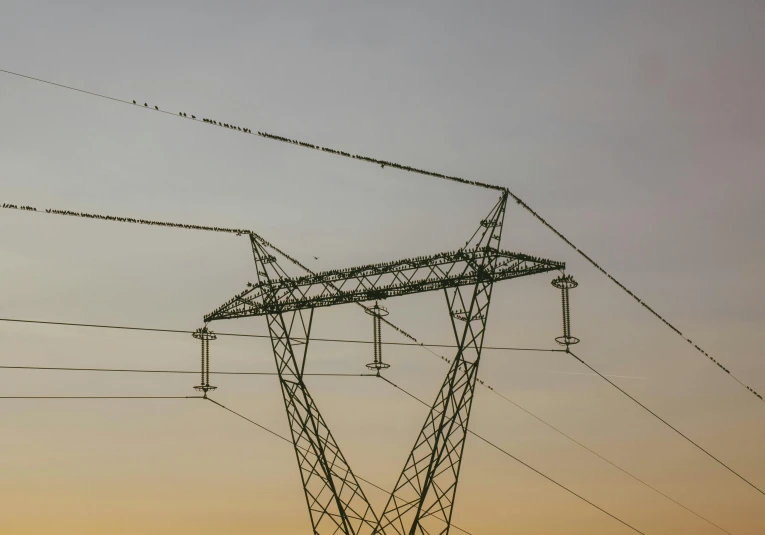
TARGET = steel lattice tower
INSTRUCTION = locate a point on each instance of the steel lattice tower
(423, 498)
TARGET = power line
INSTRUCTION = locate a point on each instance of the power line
(599, 456)
(101, 397)
(285, 439)
(121, 219)
(267, 135)
(335, 340)
(264, 428)
(311, 374)
(272, 373)
(194, 372)
(328, 374)
(523, 463)
(668, 424)
(391, 164)
(127, 370)
(383, 164)
(354, 375)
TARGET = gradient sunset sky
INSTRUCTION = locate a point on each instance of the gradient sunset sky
(636, 127)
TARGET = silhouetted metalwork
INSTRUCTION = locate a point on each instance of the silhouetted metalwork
(464, 267)
(336, 501)
(205, 336)
(377, 312)
(422, 500)
(566, 283)
(383, 164)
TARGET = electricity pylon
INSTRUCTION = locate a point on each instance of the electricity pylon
(423, 498)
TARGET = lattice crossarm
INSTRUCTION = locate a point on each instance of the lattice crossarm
(272, 297)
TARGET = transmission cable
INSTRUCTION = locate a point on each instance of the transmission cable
(520, 461)
(415, 343)
(128, 370)
(239, 231)
(383, 164)
(285, 439)
(194, 372)
(633, 476)
(335, 340)
(101, 397)
(668, 424)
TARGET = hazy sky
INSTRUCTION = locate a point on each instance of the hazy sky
(636, 127)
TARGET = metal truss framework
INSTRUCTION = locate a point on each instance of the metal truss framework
(423, 498)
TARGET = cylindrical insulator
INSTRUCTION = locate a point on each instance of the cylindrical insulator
(202, 364)
(565, 305)
(374, 339)
(377, 312)
(204, 336)
(565, 283)
(378, 340)
(207, 363)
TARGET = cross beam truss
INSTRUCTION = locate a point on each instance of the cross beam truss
(423, 498)
(465, 267)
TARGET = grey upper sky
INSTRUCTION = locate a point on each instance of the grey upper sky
(636, 127)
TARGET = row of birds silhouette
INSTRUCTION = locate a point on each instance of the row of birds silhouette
(210, 121)
(145, 105)
(381, 163)
(238, 232)
(16, 207)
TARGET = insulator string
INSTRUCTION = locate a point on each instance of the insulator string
(207, 363)
(202, 364)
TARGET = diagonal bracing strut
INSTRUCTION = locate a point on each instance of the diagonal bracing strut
(336, 501)
(423, 498)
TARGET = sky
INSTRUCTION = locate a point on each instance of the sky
(635, 127)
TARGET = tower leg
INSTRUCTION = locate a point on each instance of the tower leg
(423, 499)
(336, 502)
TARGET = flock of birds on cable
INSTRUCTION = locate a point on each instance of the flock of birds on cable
(15, 207)
(145, 221)
(381, 163)
(238, 232)
(181, 225)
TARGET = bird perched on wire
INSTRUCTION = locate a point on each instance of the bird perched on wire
(156, 108)
(134, 102)
(145, 105)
